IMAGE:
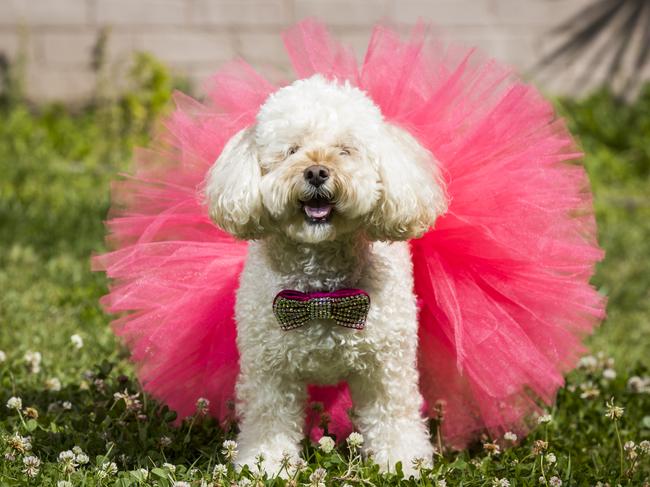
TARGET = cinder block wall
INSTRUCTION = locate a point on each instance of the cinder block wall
(194, 37)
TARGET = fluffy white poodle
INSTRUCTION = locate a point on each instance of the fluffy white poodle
(327, 191)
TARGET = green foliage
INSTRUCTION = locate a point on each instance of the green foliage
(56, 165)
(615, 136)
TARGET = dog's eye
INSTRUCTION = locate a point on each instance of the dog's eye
(345, 151)
(292, 150)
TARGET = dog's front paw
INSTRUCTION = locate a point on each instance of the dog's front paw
(413, 455)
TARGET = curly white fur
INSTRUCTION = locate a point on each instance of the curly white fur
(385, 189)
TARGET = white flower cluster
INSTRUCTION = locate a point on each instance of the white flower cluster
(613, 411)
(355, 440)
(32, 466)
(15, 403)
(202, 406)
(33, 360)
(19, 444)
(53, 384)
(510, 436)
(326, 444)
(107, 469)
(639, 385)
(77, 341)
(317, 478)
(220, 470)
(229, 450)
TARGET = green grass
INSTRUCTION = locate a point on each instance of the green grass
(55, 168)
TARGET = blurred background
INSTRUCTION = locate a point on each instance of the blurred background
(566, 46)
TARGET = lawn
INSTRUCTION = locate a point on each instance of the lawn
(82, 418)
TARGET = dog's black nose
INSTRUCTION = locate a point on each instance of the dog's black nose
(316, 175)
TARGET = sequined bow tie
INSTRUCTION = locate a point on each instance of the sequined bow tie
(347, 307)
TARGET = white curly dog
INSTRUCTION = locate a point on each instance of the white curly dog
(327, 191)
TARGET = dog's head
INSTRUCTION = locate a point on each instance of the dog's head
(321, 163)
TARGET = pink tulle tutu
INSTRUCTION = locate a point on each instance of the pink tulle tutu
(502, 280)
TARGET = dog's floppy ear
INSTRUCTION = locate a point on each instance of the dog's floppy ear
(232, 187)
(413, 192)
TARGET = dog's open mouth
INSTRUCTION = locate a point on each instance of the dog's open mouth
(318, 210)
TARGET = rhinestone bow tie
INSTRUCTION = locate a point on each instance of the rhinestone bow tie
(347, 307)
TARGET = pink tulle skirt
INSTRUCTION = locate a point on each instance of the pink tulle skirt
(502, 280)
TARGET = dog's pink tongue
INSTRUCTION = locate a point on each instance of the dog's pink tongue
(318, 211)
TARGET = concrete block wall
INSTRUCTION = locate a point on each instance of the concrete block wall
(195, 37)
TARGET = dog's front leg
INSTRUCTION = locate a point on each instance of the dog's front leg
(271, 410)
(387, 405)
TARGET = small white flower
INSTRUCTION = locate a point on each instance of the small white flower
(546, 418)
(33, 359)
(645, 447)
(202, 405)
(164, 441)
(285, 461)
(551, 458)
(629, 445)
(492, 448)
(180, 483)
(501, 483)
(3, 356)
(32, 466)
(259, 459)
(82, 458)
(589, 390)
(230, 450)
(77, 341)
(144, 472)
(107, 469)
(298, 465)
(326, 444)
(244, 482)
(555, 481)
(609, 374)
(220, 470)
(15, 403)
(510, 436)
(53, 384)
(441, 483)
(639, 385)
(19, 443)
(355, 439)
(317, 478)
(170, 467)
(613, 411)
(64, 483)
(66, 456)
(588, 362)
(67, 459)
(420, 463)
(66, 405)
